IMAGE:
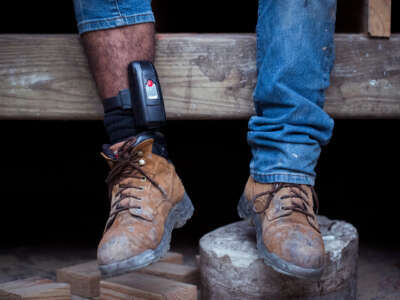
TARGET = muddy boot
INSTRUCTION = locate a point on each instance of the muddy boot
(288, 236)
(148, 201)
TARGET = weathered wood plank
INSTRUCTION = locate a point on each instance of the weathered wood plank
(204, 76)
(173, 258)
(34, 288)
(85, 278)
(379, 17)
(182, 273)
(144, 286)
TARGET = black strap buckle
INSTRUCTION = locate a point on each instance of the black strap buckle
(122, 100)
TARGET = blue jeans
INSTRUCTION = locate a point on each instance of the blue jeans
(103, 14)
(295, 55)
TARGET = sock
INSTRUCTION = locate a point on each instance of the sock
(119, 124)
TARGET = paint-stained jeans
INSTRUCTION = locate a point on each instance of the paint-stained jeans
(295, 54)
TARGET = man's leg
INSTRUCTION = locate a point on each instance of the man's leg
(114, 33)
(295, 54)
(147, 197)
(110, 51)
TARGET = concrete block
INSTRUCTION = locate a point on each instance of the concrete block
(231, 268)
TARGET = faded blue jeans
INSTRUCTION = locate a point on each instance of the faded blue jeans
(295, 54)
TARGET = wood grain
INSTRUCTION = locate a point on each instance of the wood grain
(204, 76)
(379, 17)
(34, 289)
(85, 278)
(173, 258)
(144, 286)
(182, 273)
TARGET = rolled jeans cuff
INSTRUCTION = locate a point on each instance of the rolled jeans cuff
(113, 22)
(282, 177)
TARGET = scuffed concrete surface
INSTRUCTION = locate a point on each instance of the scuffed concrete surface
(232, 269)
(333, 233)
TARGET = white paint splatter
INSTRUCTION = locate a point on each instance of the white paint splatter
(328, 237)
(28, 80)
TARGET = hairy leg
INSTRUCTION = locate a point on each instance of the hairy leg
(110, 51)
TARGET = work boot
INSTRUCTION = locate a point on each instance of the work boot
(148, 201)
(287, 231)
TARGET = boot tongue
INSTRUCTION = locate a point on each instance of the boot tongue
(158, 148)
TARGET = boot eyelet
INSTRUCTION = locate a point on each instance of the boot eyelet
(142, 162)
(140, 188)
(143, 179)
(140, 153)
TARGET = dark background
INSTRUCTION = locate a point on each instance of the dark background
(52, 185)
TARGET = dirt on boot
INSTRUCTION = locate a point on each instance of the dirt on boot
(148, 201)
(288, 235)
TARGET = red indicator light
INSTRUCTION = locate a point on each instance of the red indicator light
(149, 82)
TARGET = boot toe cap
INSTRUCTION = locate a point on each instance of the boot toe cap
(115, 249)
(297, 245)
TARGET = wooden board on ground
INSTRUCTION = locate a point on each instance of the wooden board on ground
(182, 273)
(172, 257)
(85, 278)
(34, 288)
(143, 286)
(204, 76)
(379, 17)
(75, 297)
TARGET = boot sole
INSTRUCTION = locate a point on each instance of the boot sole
(177, 217)
(246, 212)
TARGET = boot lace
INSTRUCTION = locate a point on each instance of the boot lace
(296, 192)
(128, 165)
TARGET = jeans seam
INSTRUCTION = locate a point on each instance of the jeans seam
(282, 177)
(112, 19)
(280, 174)
(117, 6)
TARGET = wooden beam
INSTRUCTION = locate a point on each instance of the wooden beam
(379, 18)
(204, 76)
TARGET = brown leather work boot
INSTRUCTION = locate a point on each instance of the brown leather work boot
(288, 236)
(148, 201)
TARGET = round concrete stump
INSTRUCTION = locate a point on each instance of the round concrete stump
(231, 268)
